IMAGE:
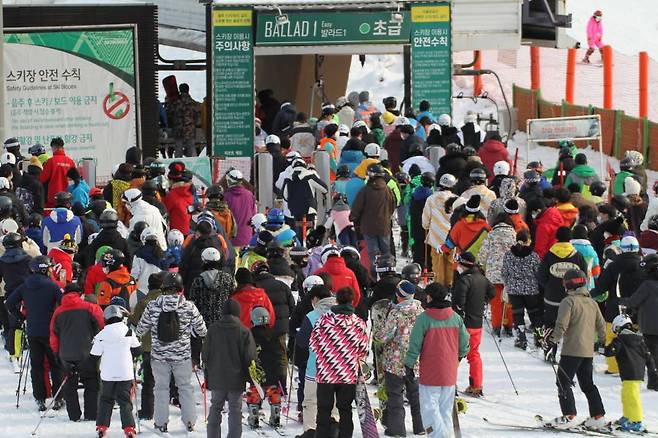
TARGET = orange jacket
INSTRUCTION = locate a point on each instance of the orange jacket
(467, 235)
(569, 213)
(113, 284)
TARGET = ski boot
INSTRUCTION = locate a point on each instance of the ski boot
(254, 413)
(621, 421)
(538, 336)
(130, 432)
(41, 405)
(496, 332)
(474, 392)
(59, 404)
(507, 332)
(633, 427)
(587, 55)
(521, 341)
(101, 431)
(563, 422)
(161, 429)
(275, 415)
(189, 427)
(597, 424)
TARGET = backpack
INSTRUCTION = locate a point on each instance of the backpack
(299, 190)
(124, 290)
(168, 326)
(26, 197)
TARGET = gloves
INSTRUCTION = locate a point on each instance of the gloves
(601, 298)
(439, 249)
(409, 373)
(549, 344)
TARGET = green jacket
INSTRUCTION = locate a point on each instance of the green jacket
(579, 324)
(618, 183)
(583, 175)
(137, 315)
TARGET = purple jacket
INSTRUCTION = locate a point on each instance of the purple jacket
(242, 204)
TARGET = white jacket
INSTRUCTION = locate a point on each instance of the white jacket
(652, 210)
(113, 345)
(142, 211)
(141, 271)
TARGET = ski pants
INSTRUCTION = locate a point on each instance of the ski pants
(121, 393)
(473, 357)
(613, 367)
(550, 315)
(527, 303)
(182, 371)
(652, 345)
(582, 368)
(395, 389)
(498, 317)
(185, 147)
(377, 246)
(87, 374)
(630, 400)
(343, 395)
(148, 383)
(436, 406)
(39, 351)
(310, 405)
(442, 267)
(217, 400)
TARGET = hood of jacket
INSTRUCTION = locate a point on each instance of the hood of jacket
(61, 215)
(250, 294)
(335, 265)
(120, 276)
(236, 190)
(115, 332)
(493, 146)
(563, 249)
(351, 156)
(584, 171)
(324, 305)
(439, 314)
(581, 291)
(421, 193)
(146, 252)
(521, 251)
(14, 255)
(210, 278)
(550, 216)
(507, 188)
(170, 302)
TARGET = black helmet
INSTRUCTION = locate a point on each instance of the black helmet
(6, 205)
(573, 279)
(412, 272)
(390, 102)
(402, 178)
(136, 233)
(274, 248)
(214, 191)
(63, 199)
(150, 187)
(12, 240)
(469, 151)
(653, 222)
(597, 188)
(621, 203)
(385, 264)
(41, 265)
(453, 148)
(649, 263)
(157, 168)
(109, 219)
(37, 149)
(172, 282)
(113, 259)
(427, 179)
(34, 220)
(343, 171)
(376, 169)
(478, 175)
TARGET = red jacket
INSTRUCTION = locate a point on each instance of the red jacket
(249, 297)
(341, 276)
(178, 201)
(77, 322)
(491, 152)
(54, 173)
(546, 225)
(95, 276)
(63, 271)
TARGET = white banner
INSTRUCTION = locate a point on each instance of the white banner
(564, 128)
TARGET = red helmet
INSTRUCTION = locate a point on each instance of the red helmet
(598, 13)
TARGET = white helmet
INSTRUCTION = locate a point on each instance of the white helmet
(312, 281)
(175, 238)
(501, 168)
(272, 139)
(327, 251)
(341, 102)
(435, 127)
(445, 120)
(447, 180)
(372, 150)
(8, 226)
(234, 177)
(629, 244)
(343, 130)
(292, 156)
(131, 195)
(361, 124)
(211, 255)
(636, 158)
(5, 184)
(8, 157)
(91, 238)
(620, 322)
(402, 121)
(258, 220)
(147, 234)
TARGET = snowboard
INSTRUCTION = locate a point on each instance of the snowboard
(366, 417)
(378, 314)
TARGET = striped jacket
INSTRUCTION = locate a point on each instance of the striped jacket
(435, 218)
(340, 342)
(486, 197)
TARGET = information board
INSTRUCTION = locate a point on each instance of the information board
(431, 56)
(233, 83)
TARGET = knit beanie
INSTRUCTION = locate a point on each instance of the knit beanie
(511, 206)
(243, 276)
(473, 204)
(579, 232)
(466, 259)
(405, 290)
(563, 234)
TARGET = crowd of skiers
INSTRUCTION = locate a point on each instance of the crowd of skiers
(153, 286)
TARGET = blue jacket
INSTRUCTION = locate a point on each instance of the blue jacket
(61, 221)
(40, 295)
(36, 234)
(351, 159)
(353, 186)
(304, 333)
(80, 193)
(585, 248)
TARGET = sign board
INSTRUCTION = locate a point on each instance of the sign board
(74, 84)
(431, 56)
(200, 168)
(564, 128)
(330, 28)
(233, 83)
(185, 14)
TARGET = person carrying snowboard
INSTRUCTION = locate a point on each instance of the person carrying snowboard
(594, 35)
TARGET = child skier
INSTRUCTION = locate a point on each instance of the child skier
(433, 340)
(631, 353)
(114, 344)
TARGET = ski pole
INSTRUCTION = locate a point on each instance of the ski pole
(203, 391)
(50, 405)
(292, 372)
(137, 420)
(23, 366)
(501, 356)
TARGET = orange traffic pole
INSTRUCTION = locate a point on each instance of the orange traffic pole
(477, 80)
(571, 75)
(607, 77)
(644, 85)
(535, 77)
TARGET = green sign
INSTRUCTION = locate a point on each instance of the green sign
(308, 28)
(233, 83)
(431, 56)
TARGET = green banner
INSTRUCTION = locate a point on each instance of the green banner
(307, 28)
(233, 83)
(431, 56)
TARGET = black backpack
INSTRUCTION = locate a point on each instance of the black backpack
(168, 326)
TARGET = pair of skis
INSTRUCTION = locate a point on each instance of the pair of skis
(576, 430)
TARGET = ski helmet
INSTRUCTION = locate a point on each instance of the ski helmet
(453, 148)
(63, 199)
(445, 120)
(260, 267)
(629, 244)
(350, 252)
(37, 149)
(7, 158)
(148, 235)
(12, 143)
(375, 170)
(328, 251)
(625, 164)
(537, 166)
(649, 263)
(427, 179)
(275, 217)
(412, 272)
(272, 139)
(402, 178)
(447, 181)
(390, 102)
(343, 171)
(214, 192)
(113, 259)
(259, 317)
(275, 249)
(6, 204)
(597, 188)
(621, 322)
(211, 255)
(258, 220)
(501, 168)
(478, 175)
(12, 240)
(299, 256)
(175, 238)
(68, 245)
(109, 218)
(131, 196)
(5, 184)
(469, 151)
(573, 279)
(41, 265)
(311, 281)
(172, 282)
(385, 264)
(150, 187)
(233, 177)
(8, 225)
(114, 311)
(372, 150)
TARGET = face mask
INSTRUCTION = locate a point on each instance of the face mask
(106, 270)
(460, 269)
(404, 136)
(597, 19)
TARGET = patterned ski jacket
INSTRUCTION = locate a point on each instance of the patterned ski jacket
(519, 271)
(340, 341)
(501, 238)
(395, 335)
(436, 220)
